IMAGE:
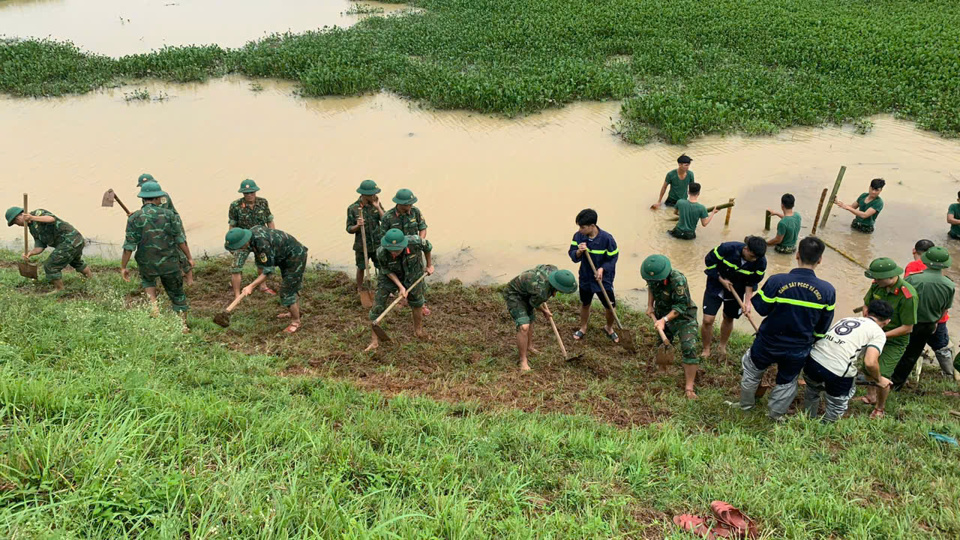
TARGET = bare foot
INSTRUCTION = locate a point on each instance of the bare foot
(706, 353)
(877, 413)
(691, 395)
(284, 315)
(524, 366)
(865, 399)
(421, 335)
(531, 350)
(371, 347)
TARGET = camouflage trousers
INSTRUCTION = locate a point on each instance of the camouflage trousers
(682, 235)
(63, 256)
(385, 287)
(172, 284)
(292, 273)
(240, 258)
(785, 250)
(687, 331)
(520, 309)
(862, 227)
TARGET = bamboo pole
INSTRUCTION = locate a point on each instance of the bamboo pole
(729, 211)
(845, 255)
(833, 196)
(823, 197)
(709, 209)
(766, 221)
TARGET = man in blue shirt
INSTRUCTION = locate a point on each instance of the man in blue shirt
(798, 309)
(736, 265)
(600, 246)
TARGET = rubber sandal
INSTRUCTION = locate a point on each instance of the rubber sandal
(739, 524)
(293, 328)
(864, 399)
(268, 290)
(426, 311)
(699, 526)
(877, 413)
(578, 335)
(612, 335)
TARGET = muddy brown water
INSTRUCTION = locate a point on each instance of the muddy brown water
(499, 195)
(119, 27)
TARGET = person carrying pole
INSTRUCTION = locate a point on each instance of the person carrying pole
(690, 211)
(788, 230)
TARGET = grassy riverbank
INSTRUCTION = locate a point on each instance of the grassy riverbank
(685, 68)
(115, 424)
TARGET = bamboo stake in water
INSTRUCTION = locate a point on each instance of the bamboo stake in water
(833, 195)
(823, 197)
(729, 210)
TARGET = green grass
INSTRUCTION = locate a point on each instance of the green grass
(112, 424)
(685, 68)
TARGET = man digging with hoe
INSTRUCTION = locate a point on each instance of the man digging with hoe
(49, 230)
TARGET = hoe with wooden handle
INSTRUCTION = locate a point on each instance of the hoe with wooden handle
(27, 270)
(109, 197)
(366, 295)
(223, 318)
(626, 336)
(560, 341)
(381, 335)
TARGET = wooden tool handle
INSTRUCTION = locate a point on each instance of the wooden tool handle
(743, 308)
(235, 302)
(559, 339)
(604, 291)
(26, 231)
(663, 337)
(363, 238)
(399, 298)
(125, 209)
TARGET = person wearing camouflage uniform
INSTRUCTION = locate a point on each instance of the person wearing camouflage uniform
(675, 313)
(49, 230)
(166, 202)
(401, 264)
(274, 248)
(365, 213)
(529, 292)
(156, 234)
(406, 217)
(245, 213)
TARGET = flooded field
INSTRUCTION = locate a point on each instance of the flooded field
(499, 195)
(120, 27)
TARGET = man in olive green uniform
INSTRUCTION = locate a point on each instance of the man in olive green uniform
(365, 214)
(273, 248)
(935, 296)
(167, 203)
(677, 181)
(156, 234)
(49, 230)
(406, 217)
(953, 218)
(868, 207)
(401, 264)
(788, 230)
(890, 287)
(690, 211)
(530, 291)
(670, 305)
(247, 212)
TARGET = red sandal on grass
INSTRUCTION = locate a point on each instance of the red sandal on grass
(700, 527)
(293, 328)
(739, 524)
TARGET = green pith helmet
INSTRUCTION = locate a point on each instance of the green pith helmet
(145, 177)
(883, 268)
(394, 240)
(563, 281)
(248, 186)
(12, 214)
(937, 258)
(405, 196)
(151, 190)
(368, 187)
(237, 238)
(655, 268)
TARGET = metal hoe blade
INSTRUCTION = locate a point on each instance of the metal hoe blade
(222, 319)
(366, 298)
(381, 335)
(27, 270)
(108, 198)
(664, 355)
(627, 340)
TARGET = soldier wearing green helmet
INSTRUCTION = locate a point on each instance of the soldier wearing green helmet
(49, 230)
(401, 259)
(156, 234)
(406, 217)
(673, 310)
(247, 212)
(167, 203)
(365, 213)
(273, 248)
(528, 293)
(889, 286)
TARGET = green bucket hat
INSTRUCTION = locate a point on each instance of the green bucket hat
(368, 187)
(151, 190)
(563, 281)
(883, 268)
(12, 214)
(248, 186)
(394, 240)
(145, 177)
(405, 196)
(237, 238)
(655, 268)
(937, 258)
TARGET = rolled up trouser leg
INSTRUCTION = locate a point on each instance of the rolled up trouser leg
(749, 382)
(945, 359)
(837, 405)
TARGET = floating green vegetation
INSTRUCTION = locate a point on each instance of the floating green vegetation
(138, 94)
(363, 9)
(684, 68)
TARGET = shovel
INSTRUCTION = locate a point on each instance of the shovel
(223, 318)
(109, 197)
(381, 335)
(626, 336)
(560, 341)
(27, 270)
(366, 295)
(664, 355)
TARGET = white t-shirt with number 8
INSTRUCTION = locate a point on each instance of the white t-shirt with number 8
(846, 342)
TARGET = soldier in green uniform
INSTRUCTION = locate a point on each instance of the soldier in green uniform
(406, 217)
(868, 207)
(691, 211)
(788, 230)
(365, 213)
(890, 287)
(677, 181)
(953, 218)
(530, 291)
(167, 203)
(156, 234)
(670, 305)
(247, 212)
(50, 231)
(401, 264)
(273, 248)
